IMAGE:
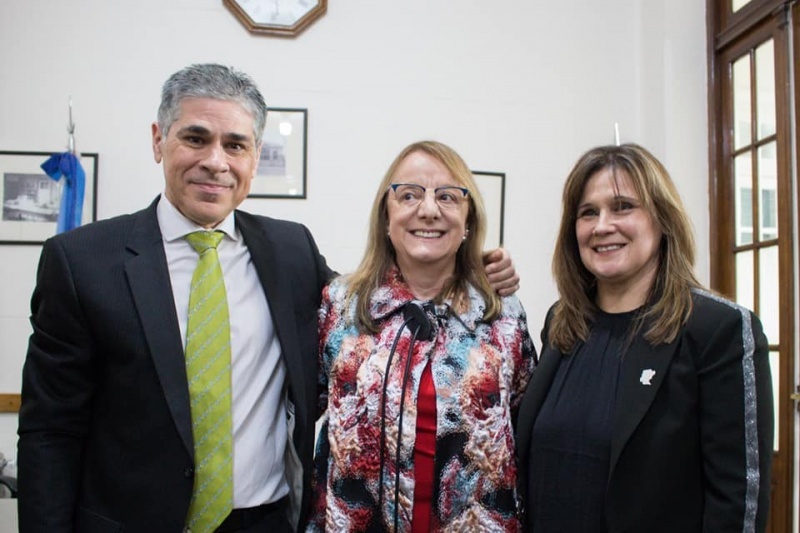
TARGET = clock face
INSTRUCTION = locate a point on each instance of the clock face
(285, 18)
(277, 12)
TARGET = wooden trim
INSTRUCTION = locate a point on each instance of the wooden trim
(9, 403)
(783, 471)
(714, 142)
(733, 25)
(787, 416)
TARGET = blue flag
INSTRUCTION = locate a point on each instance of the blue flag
(67, 165)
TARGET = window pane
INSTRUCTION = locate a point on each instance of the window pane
(775, 368)
(767, 185)
(765, 89)
(768, 291)
(743, 174)
(736, 5)
(744, 279)
(741, 102)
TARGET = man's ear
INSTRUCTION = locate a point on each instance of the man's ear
(157, 140)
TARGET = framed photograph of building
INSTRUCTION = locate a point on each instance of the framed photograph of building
(32, 200)
(281, 169)
(493, 189)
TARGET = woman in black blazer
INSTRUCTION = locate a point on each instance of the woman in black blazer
(651, 408)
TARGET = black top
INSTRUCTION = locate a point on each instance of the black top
(571, 440)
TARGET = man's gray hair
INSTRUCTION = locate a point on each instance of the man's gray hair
(211, 81)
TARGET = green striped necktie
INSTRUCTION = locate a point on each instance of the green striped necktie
(208, 369)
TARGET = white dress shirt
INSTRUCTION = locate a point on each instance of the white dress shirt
(257, 369)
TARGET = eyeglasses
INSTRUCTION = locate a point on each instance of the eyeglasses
(411, 195)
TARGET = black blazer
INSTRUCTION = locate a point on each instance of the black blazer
(690, 451)
(105, 439)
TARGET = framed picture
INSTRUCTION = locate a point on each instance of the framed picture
(282, 168)
(493, 189)
(32, 200)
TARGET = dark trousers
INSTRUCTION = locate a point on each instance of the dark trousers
(268, 518)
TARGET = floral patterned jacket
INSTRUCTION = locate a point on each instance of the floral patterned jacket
(480, 371)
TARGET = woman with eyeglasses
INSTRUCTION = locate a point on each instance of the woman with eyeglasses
(421, 366)
(651, 408)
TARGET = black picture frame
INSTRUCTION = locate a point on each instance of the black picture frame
(492, 186)
(281, 169)
(19, 170)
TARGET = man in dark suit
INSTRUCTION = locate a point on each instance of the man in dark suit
(105, 424)
(105, 428)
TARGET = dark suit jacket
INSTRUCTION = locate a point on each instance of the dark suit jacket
(691, 451)
(105, 431)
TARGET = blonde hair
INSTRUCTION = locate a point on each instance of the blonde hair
(379, 256)
(669, 302)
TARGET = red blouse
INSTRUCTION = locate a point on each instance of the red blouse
(424, 452)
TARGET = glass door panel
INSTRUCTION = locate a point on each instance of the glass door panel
(768, 293)
(775, 368)
(745, 284)
(742, 107)
(768, 192)
(743, 175)
(765, 89)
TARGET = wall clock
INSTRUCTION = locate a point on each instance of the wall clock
(284, 18)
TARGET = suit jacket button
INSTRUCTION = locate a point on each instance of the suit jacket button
(189, 472)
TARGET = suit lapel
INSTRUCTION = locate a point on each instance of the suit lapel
(148, 277)
(266, 255)
(644, 368)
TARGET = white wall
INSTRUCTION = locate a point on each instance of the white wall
(516, 87)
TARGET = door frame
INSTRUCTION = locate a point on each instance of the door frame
(731, 35)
